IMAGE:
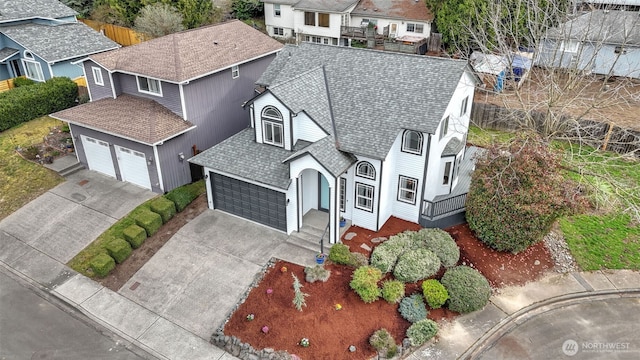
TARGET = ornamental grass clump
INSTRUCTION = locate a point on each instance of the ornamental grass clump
(435, 293)
(442, 244)
(316, 273)
(384, 343)
(422, 331)
(468, 289)
(364, 282)
(412, 308)
(414, 265)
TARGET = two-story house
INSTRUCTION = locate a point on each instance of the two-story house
(340, 22)
(155, 104)
(41, 39)
(339, 130)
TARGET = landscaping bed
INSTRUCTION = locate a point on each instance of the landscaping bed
(331, 332)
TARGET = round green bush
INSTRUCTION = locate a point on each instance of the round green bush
(412, 308)
(421, 331)
(435, 293)
(468, 289)
(385, 255)
(383, 342)
(364, 282)
(414, 265)
(340, 254)
(392, 291)
(442, 244)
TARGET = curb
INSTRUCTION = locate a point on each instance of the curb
(509, 323)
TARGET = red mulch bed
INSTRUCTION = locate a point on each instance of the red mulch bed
(331, 331)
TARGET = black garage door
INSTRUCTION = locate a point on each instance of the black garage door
(264, 206)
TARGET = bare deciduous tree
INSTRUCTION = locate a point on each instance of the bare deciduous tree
(158, 20)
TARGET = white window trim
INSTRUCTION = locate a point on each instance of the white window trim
(343, 194)
(159, 93)
(446, 176)
(368, 165)
(29, 59)
(415, 28)
(278, 31)
(444, 129)
(97, 76)
(277, 11)
(235, 71)
(405, 190)
(406, 149)
(463, 106)
(274, 126)
(358, 196)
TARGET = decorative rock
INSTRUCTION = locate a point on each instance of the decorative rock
(366, 247)
(349, 235)
(378, 240)
(536, 263)
(352, 348)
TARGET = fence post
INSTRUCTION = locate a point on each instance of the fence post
(607, 136)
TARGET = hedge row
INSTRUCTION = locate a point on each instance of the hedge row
(26, 103)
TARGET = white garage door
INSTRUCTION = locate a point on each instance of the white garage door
(133, 167)
(98, 155)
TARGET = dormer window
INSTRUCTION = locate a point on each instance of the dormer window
(149, 86)
(412, 142)
(272, 131)
(366, 170)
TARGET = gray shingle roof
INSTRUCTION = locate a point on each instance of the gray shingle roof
(374, 94)
(325, 5)
(307, 92)
(139, 119)
(240, 155)
(192, 53)
(62, 42)
(613, 27)
(453, 147)
(324, 150)
(7, 52)
(27, 9)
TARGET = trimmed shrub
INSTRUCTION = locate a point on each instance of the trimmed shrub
(468, 289)
(359, 259)
(442, 244)
(29, 102)
(119, 249)
(385, 255)
(530, 192)
(414, 265)
(316, 273)
(183, 196)
(163, 206)
(102, 264)
(393, 291)
(364, 282)
(340, 254)
(421, 331)
(23, 81)
(412, 308)
(149, 221)
(384, 343)
(135, 235)
(435, 293)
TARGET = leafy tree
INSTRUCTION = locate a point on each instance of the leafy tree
(83, 7)
(246, 9)
(158, 20)
(194, 13)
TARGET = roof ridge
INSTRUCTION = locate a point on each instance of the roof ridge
(177, 58)
(319, 67)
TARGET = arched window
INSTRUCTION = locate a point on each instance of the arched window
(32, 67)
(272, 131)
(365, 170)
(412, 142)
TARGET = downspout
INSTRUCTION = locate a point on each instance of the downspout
(155, 155)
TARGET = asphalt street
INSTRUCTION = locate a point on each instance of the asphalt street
(32, 326)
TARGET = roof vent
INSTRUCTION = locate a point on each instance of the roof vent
(215, 43)
(375, 9)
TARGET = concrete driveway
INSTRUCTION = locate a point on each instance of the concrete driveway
(69, 217)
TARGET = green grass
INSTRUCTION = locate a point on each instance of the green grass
(603, 242)
(80, 262)
(20, 180)
(611, 237)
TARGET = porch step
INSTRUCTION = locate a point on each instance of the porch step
(71, 169)
(309, 238)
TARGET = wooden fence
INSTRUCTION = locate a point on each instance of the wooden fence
(122, 35)
(602, 135)
(6, 85)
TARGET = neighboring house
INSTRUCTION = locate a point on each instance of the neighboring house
(605, 42)
(157, 103)
(340, 22)
(41, 39)
(630, 5)
(338, 129)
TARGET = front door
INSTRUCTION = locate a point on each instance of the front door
(323, 197)
(393, 29)
(15, 67)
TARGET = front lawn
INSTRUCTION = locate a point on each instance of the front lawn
(20, 180)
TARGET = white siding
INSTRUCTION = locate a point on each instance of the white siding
(305, 129)
(284, 21)
(364, 218)
(458, 127)
(292, 214)
(309, 184)
(333, 31)
(269, 100)
(402, 26)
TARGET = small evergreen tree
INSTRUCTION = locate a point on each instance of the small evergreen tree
(298, 295)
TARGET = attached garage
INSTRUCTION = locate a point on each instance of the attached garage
(250, 201)
(133, 167)
(98, 156)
